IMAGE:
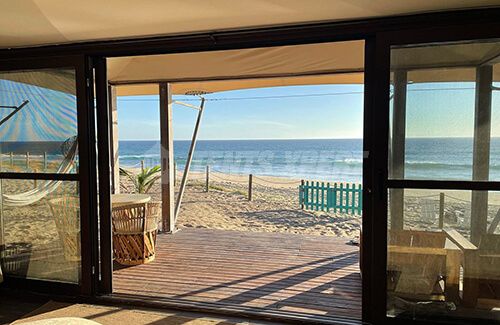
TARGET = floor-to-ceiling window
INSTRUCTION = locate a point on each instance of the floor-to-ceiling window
(443, 237)
(39, 167)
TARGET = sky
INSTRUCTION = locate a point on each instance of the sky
(304, 112)
(324, 111)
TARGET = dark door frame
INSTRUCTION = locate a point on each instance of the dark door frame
(380, 97)
(83, 177)
(377, 33)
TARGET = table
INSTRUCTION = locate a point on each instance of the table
(127, 198)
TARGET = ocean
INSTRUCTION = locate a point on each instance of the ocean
(319, 159)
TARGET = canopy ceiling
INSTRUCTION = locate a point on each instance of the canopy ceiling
(38, 22)
(326, 63)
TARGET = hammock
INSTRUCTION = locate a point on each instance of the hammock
(47, 187)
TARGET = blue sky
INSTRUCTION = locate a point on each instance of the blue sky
(300, 114)
(323, 116)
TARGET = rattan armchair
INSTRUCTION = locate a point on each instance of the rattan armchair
(134, 233)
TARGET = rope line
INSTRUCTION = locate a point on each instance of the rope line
(275, 182)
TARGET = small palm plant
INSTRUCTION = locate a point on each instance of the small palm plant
(144, 180)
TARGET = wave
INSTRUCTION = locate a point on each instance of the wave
(441, 165)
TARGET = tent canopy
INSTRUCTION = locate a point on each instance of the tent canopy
(38, 22)
(325, 63)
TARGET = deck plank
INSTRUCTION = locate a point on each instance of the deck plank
(316, 275)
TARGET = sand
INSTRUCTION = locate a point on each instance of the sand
(274, 207)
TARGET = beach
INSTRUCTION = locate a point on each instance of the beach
(274, 206)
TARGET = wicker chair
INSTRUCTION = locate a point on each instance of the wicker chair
(134, 233)
(66, 212)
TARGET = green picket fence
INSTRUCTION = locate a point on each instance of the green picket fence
(336, 197)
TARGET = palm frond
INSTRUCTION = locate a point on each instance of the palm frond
(144, 180)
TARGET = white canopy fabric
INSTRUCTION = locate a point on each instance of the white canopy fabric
(325, 63)
(39, 22)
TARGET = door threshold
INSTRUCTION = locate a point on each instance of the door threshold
(218, 309)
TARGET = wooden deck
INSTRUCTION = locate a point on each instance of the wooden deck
(316, 275)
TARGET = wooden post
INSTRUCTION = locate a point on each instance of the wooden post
(167, 159)
(441, 210)
(27, 160)
(44, 161)
(189, 159)
(207, 179)
(175, 173)
(397, 156)
(35, 182)
(113, 140)
(11, 159)
(301, 194)
(250, 184)
(481, 151)
(142, 166)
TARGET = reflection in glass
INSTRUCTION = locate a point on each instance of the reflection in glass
(37, 116)
(435, 265)
(40, 236)
(444, 108)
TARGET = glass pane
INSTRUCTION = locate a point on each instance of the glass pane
(38, 121)
(40, 230)
(443, 254)
(445, 114)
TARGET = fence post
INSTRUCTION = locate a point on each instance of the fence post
(441, 210)
(328, 197)
(250, 187)
(27, 160)
(35, 182)
(142, 166)
(44, 161)
(11, 159)
(301, 194)
(360, 199)
(207, 179)
(175, 173)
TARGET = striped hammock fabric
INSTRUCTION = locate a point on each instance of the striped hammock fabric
(45, 188)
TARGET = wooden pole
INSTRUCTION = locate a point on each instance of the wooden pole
(441, 210)
(189, 159)
(113, 140)
(35, 182)
(11, 159)
(481, 151)
(142, 166)
(397, 157)
(250, 181)
(301, 194)
(27, 160)
(45, 161)
(167, 159)
(175, 173)
(207, 181)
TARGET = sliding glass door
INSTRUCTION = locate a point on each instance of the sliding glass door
(44, 174)
(441, 179)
